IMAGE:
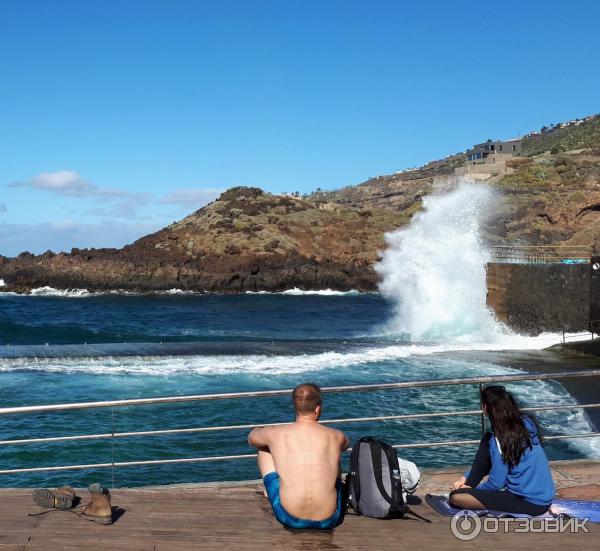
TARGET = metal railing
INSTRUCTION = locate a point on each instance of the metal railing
(480, 381)
(541, 254)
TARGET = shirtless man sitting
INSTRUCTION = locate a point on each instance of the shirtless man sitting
(300, 465)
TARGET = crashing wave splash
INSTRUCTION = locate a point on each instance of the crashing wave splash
(434, 270)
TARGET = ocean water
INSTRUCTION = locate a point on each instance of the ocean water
(255, 342)
(429, 321)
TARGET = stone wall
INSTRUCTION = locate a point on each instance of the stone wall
(534, 298)
(487, 169)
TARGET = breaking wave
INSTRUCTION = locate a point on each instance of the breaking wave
(258, 363)
(52, 292)
(301, 292)
(47, 291)
(434, 270)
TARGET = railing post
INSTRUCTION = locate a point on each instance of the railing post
(481, 406)
(112, 444)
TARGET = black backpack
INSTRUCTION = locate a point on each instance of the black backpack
(374, 485)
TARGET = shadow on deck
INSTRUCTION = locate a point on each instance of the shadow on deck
(236, 516)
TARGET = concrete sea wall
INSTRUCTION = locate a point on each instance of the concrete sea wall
(534, 298)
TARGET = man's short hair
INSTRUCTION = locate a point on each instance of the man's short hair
(306, 397)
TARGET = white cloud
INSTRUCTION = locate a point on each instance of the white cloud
(2, 207)
(117, 203)
(64, 235)
(191, 199)
(69, 183)
(61, 182)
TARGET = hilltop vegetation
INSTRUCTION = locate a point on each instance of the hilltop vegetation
(552, 199)
(567, 138)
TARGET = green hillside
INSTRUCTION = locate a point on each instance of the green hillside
(557, 140)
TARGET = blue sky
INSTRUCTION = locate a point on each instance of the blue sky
(117, 118)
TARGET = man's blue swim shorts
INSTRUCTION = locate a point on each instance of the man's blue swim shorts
(271, 481)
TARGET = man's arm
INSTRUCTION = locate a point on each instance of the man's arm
(259, 437)
(344, 442)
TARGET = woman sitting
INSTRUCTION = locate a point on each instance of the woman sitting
(512, 457)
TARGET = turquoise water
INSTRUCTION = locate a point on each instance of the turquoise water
(236, 343)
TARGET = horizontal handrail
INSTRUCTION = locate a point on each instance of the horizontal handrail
(541, 254)
(252, 456)
(287, 392)
(339, 389)
(351, 420)
(543, 247)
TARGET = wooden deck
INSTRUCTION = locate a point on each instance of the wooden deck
(229, 516)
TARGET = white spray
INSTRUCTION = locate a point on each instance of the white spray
(434, 269)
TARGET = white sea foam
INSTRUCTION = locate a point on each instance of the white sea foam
(434, 270)
(255, 363)
(52, 292)
(323, 292)
(560, 422)
(48, 291)
(295, 291)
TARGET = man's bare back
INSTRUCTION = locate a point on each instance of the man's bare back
(306, 456)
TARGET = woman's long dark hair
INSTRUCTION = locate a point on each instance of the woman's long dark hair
(507, 420)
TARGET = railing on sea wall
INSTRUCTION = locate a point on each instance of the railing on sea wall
(541, 254)
(140, 402)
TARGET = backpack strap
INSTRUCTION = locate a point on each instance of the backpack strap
(353, 474)
(408, 510)
(376, 449)
(397, 499)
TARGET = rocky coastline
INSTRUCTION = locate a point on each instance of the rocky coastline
(247, 240)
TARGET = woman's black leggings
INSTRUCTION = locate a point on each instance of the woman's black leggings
(498, 500)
